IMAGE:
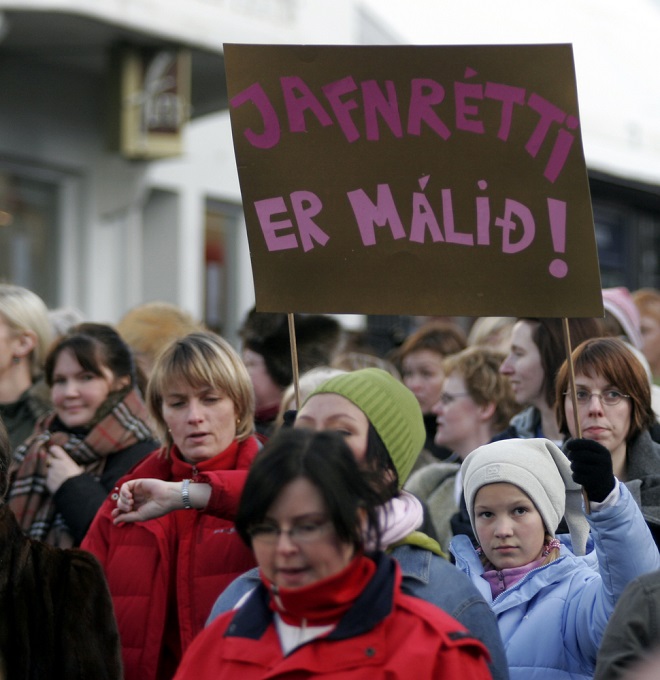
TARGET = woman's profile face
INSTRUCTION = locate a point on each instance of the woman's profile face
(523, 367)
(76, 393)
(297, 544)
(509, 528)
(609, 425)
(201, 420)
(333, 412)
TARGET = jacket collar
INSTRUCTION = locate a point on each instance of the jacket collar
(375, 602)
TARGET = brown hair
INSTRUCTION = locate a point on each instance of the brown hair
(480, 369)
(616, 363)
(548, 336)
(441, 337)
(95, 346)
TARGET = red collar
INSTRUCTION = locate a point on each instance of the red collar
(323, 602)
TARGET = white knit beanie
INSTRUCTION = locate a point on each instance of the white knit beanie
(541, 470)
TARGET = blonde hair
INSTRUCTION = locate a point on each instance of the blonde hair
(480, 369)
(150, 327)
(491, 331)
(200, 359)
(647, 301)
(308, 382)
(24, 311)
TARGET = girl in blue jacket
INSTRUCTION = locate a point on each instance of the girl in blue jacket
(552, 596)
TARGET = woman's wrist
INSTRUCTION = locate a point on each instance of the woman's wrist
(192, 495)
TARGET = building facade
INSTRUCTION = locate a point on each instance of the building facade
(118, 182)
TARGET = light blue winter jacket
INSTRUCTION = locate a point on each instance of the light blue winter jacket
(552, 621)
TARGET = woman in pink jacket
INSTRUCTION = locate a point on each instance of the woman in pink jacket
(329, 605)
(165, 573)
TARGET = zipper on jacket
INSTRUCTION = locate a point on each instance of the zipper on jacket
(525, 578)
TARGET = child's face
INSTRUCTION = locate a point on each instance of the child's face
(509, 527)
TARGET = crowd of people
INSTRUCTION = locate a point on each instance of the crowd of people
(176, 507)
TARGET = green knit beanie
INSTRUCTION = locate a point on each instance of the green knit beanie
(390, 407)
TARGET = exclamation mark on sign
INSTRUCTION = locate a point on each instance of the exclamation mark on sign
(557, 213)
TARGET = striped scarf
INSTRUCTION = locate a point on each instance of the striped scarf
(122, 423)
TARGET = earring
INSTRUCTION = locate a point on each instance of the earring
(16, 360)
(238, 422)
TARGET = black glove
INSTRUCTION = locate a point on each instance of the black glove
(591, 464)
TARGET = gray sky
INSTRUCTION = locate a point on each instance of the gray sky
(616, 53)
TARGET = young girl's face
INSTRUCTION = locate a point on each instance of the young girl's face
(77, 393)
(508, 525)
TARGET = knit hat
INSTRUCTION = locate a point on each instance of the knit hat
(267, 334)
(541, 470)
(620, 304)
(390, 407)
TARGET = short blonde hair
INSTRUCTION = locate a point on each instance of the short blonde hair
(199, 359)
(23, 311)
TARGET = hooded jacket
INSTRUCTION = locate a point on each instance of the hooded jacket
(427, 577)
(385, 634)
(552, 621)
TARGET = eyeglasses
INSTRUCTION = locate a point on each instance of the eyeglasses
(302, 533)
(607, 398)
(446, 398)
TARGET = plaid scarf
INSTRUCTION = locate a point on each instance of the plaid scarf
(121, 422)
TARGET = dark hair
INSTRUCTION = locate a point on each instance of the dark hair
(548, 336)
(616, 363)
(325, 460)
(5, 452)
(95, 346)
(380, 468)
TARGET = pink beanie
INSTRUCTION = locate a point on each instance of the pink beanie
(619, 303)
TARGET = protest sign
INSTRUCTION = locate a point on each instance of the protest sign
(444, 180)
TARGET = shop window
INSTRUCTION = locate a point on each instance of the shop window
(28, 233)
(219, 240)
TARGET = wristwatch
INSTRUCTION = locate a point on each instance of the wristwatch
(185, 494)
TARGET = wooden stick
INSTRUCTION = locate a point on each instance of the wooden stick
(573, 392)
(294, 359)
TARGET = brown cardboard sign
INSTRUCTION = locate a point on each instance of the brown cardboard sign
(443, 180)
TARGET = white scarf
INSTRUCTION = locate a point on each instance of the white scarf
(398, 518)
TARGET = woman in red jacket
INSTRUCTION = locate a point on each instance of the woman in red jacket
(164, 574)
(328, 605)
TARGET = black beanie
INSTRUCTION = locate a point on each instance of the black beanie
(267, 334)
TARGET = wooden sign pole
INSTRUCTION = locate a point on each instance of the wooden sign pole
(571, 389)
(294, 359)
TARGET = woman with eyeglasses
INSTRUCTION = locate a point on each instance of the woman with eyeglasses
(381, 422)
(614, 411)
(328, 603)
(476, 402)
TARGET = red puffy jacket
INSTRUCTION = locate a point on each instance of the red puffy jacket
(165, 574)
(386, 634)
